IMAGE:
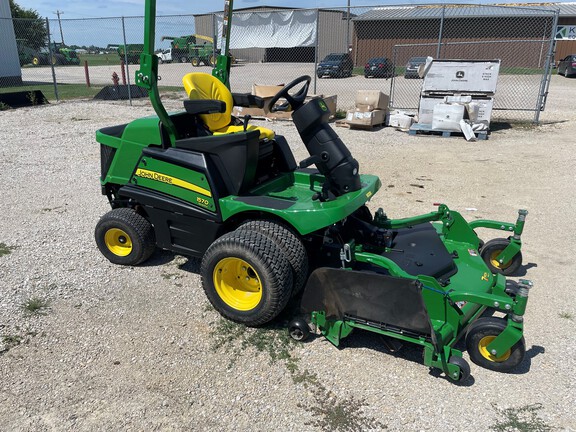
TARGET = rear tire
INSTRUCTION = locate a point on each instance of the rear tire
(124, 237)
(480, 334)
(246, 277)
(195, 61)
(183, 59)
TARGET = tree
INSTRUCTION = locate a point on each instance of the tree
(29, 26)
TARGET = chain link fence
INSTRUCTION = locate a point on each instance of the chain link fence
(76, 58)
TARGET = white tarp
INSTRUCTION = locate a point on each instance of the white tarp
(271, 29)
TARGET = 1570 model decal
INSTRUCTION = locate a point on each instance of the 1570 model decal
(153, 175)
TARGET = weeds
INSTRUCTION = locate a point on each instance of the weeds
(36, 306)
(5, 249)
(340, 114)
(522, 419)
(4, 107)
(566, 315)
(330, 413)
(32, 98)
(10, 341)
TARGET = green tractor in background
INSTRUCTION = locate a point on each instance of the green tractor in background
(196, 49)
(269, 230)
(63, 55)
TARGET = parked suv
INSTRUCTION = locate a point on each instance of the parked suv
(336, 65)
(379, 67)
(412, 67)
(567, 66)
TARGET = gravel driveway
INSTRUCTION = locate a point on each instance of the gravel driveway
(87, 345)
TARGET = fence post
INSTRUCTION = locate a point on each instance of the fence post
(545, 84)
(86, 73)
(126, 61)
(438, 50)
(215, 35)
(316, 49)
(50, 55)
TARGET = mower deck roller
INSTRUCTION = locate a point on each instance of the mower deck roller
(202, 183)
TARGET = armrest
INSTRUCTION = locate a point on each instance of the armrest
(195, 107)
(248, 100)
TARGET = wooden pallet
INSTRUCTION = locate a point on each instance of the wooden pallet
(345, 124)
(418, 128)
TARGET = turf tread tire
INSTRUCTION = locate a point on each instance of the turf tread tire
(269, 262)
(290, 244)
(136, 226)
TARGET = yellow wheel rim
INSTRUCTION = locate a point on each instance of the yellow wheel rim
(484, 342)
(494, 261)
(35, 61)
(118, 242)
(195, 62)
(237, 284)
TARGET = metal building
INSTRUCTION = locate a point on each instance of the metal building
(331, 30)
(462, 31)
(10, 72)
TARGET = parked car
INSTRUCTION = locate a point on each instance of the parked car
(336, 65)
(567, 66)
(379, 67)
(412, 67)
(165, 56)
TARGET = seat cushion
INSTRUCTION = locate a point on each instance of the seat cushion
(204, 86)
(264, 133)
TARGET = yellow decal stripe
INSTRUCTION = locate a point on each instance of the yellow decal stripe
(153, 175)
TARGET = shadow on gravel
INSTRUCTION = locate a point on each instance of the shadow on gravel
(159, 258)
(524, 367)
(523, 270)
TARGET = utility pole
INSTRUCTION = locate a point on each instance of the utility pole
(60, 24)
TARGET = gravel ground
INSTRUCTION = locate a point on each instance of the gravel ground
(87, 345)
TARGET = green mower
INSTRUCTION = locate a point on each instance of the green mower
(269, 230)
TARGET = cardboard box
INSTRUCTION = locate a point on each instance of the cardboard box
(447, 117)
(400, 120)
(462, 76)
(368, 100)
(365, 118)
(480, 110)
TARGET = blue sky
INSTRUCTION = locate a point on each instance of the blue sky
(117, 8)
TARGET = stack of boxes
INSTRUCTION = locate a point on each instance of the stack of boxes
(371, 107)
(454, 90)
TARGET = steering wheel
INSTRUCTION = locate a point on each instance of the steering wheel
(296, 100)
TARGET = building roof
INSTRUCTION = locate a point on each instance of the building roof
(467, 11)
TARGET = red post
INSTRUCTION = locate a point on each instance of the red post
(123, 72)
(86, 73)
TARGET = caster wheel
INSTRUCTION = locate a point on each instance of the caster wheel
(298, 330)
(464, 368)
(490, 252)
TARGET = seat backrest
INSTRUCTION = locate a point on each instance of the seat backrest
(206, 87)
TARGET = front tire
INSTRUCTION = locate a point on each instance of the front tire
(480, 334)
(195, 61)
(246, 277)
(290, 245)
(491, 250)
(124, 237)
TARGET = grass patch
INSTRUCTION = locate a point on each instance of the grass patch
(566, 315)
(5, 249)
(10, 341)
(522, 419)
(4, 107)
(330, 413)
(36, 306)
(99, 59)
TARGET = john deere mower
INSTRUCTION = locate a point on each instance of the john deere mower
(267, 229)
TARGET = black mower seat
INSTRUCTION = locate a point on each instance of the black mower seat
(418, 250)
(203, 86)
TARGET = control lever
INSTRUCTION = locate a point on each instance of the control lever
(247, 118)
(315, 159)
